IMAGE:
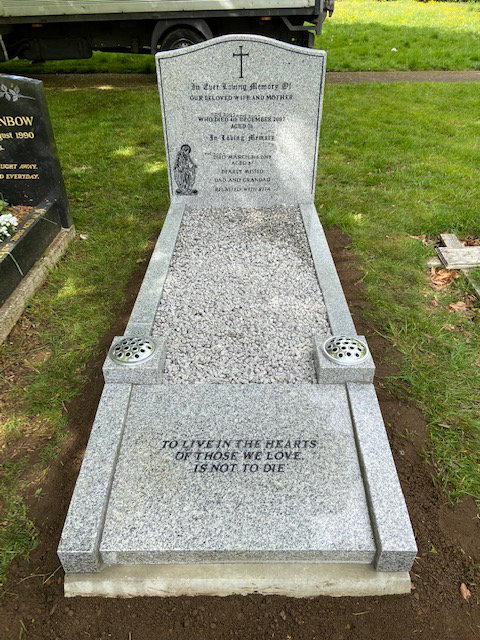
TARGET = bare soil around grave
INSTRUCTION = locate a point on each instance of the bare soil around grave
(448, 539)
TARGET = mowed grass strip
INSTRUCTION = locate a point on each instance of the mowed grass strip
(361, 35)
(395, 161)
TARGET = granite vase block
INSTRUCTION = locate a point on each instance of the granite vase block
(330, 372)
(78, 548)
(146, 372)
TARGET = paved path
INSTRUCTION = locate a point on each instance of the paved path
(108, 81)
(353, 77)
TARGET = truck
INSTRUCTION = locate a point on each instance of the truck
(40, 30)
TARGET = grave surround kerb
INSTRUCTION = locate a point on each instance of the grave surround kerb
(285, 165)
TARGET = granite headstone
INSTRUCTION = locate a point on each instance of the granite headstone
(241, 121)
(30, 175)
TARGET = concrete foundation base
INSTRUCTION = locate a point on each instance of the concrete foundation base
(293, 580)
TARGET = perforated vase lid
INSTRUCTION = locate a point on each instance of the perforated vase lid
(345, 350)
(130, 351)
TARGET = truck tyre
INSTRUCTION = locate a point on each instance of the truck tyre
(305, 39)
(180, 38)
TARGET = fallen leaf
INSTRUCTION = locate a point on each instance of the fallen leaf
(422, 239)
(442, 278)
(471, 242)
(465, 591)
(449, 327)
(457, 306)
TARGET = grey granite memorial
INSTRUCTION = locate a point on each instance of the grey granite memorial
(239, 446)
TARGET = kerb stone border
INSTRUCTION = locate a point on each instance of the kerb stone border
(338, 313)
(394, 538)
(79, 545)
(14, 305)
(148, 299)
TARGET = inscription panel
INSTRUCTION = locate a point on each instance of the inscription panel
(241, 123)
(228, 472)
(239, 455)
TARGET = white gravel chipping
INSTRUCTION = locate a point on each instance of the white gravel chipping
(241, 300)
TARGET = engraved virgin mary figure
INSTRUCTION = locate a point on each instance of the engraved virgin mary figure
(184, 171)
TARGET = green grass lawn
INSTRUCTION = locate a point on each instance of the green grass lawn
(361, 35)
(475, 275)
(395, 161)
(405, 34)
(116, 179)
(399, 161)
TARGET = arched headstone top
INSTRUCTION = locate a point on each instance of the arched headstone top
(29, 168)
(241, 116)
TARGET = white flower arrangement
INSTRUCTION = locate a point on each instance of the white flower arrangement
(8, 224)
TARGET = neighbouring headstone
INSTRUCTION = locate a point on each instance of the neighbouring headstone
(241, 122)
(239, 446)
(30, 178)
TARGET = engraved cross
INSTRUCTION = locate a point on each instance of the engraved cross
(241, 55)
